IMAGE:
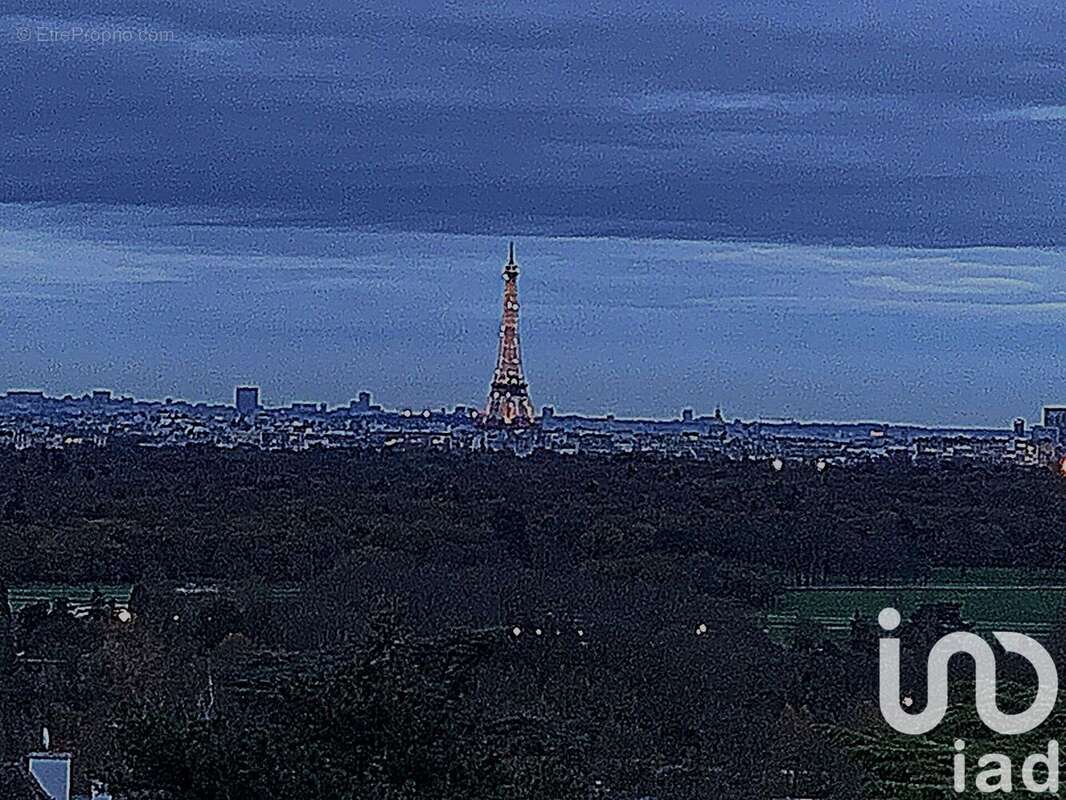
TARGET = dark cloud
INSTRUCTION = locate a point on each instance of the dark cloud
(873, 122)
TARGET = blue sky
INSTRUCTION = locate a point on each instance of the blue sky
(814, 209)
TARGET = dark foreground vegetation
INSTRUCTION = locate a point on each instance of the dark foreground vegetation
(426, 626)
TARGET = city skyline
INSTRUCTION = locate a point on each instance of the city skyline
(697, 413)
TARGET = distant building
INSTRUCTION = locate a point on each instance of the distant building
(101, 397)
(686, 415)
(247, 401)
(1044, 433)
(26, 397)
(1019, 427)
(1054, 419)
(362, 405)
(52, 773)
(45, 775)
(1054, 416)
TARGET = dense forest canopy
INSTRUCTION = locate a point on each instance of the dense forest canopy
(139, 514)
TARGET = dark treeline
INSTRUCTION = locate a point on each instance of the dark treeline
(336, 624)
(139, 514)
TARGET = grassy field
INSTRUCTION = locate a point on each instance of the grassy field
(1024, 601)
(79, 597)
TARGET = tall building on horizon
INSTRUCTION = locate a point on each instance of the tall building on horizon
(247, 400)
(508, 404)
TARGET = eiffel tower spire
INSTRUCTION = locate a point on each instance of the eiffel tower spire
(508, 403)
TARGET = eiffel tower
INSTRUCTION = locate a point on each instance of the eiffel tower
(508, 404)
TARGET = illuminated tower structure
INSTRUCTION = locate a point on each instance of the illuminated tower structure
(508, 404)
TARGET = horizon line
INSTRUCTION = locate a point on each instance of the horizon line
(603, 416)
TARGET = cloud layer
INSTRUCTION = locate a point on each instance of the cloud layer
(890, 123)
